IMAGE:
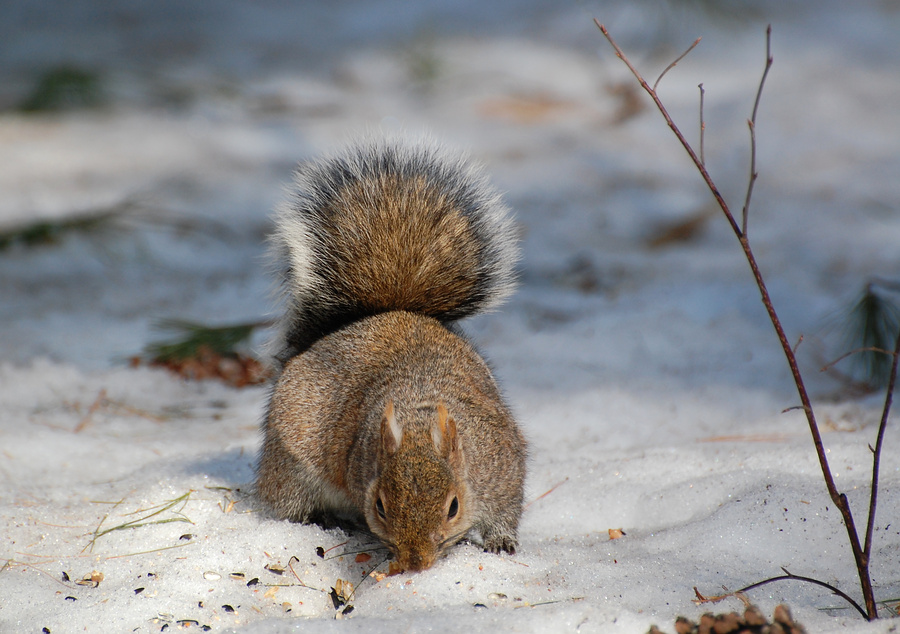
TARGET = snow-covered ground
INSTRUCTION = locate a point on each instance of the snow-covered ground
(648, 379)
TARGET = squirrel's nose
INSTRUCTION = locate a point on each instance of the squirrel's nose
(415, 561)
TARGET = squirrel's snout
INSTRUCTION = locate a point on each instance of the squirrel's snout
(416, 561)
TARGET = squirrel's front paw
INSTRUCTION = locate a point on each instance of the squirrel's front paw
(500, 543)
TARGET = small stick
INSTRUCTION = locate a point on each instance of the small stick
(675, 130)
(547, 492)
(333, 547)
(828, 366)
(839, 499)
(876, 458)
(799, 339)
(788, 575)
(98, 402)
(702, 125)
(752, 124)
(677, 59)
(297, 577)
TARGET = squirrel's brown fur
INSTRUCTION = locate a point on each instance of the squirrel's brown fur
(382, 414)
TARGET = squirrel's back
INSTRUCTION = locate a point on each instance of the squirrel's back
(386, 226)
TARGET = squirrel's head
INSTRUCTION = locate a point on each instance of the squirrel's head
(418, 503)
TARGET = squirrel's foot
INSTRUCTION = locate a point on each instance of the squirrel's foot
(500, 543)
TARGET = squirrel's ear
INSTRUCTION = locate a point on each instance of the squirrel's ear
(445, 438)
(391, 434)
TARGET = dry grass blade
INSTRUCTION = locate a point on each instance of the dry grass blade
(144, 520)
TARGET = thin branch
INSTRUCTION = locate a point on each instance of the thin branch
(831, 364)
(752, 124)
(787, 575)
(876, 459)
(548, 492)
(839, 499)
(797, 345)
(673, 64)
(675, 130)
(702, 125)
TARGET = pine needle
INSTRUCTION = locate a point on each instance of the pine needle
(44, 232)
(145, 520)
(190, 338)
(871, 326)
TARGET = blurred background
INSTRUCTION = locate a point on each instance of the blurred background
(143, 145)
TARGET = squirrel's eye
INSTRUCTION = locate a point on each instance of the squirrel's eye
(379, 507)
(454, 508)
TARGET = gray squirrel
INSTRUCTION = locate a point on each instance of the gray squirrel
(383, 415)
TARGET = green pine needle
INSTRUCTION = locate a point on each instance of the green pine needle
(44, 232)
(65, 88)
(189, 338)
(872, 323)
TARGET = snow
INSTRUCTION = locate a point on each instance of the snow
(648, 380)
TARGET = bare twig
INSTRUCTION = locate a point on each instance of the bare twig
(831, 364)
(787, 575)
(98, 402)
(300, 581)
(675, 130)
(876, 457)
(702, 125)
(548, 492)
(673, 64)
(838, 498)
(751, 123)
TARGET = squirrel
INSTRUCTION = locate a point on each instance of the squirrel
(383, 415)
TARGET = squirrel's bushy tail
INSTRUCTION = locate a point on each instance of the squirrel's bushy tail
(389, 226)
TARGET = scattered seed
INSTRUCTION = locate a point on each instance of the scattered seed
(286, 607)
(479, 605)
(45, 630)
(92, 580)
(227, 608)
(616, 533)
(187, 622)
(254, 581)
(186, 537)
(320, 552)
(277, 569)
(347, 610)
(205, 628)
(209, 575)
(138, 590)
(336, 600)
(65, 576)
(164, 627)
(71, 599)
(238, 576)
